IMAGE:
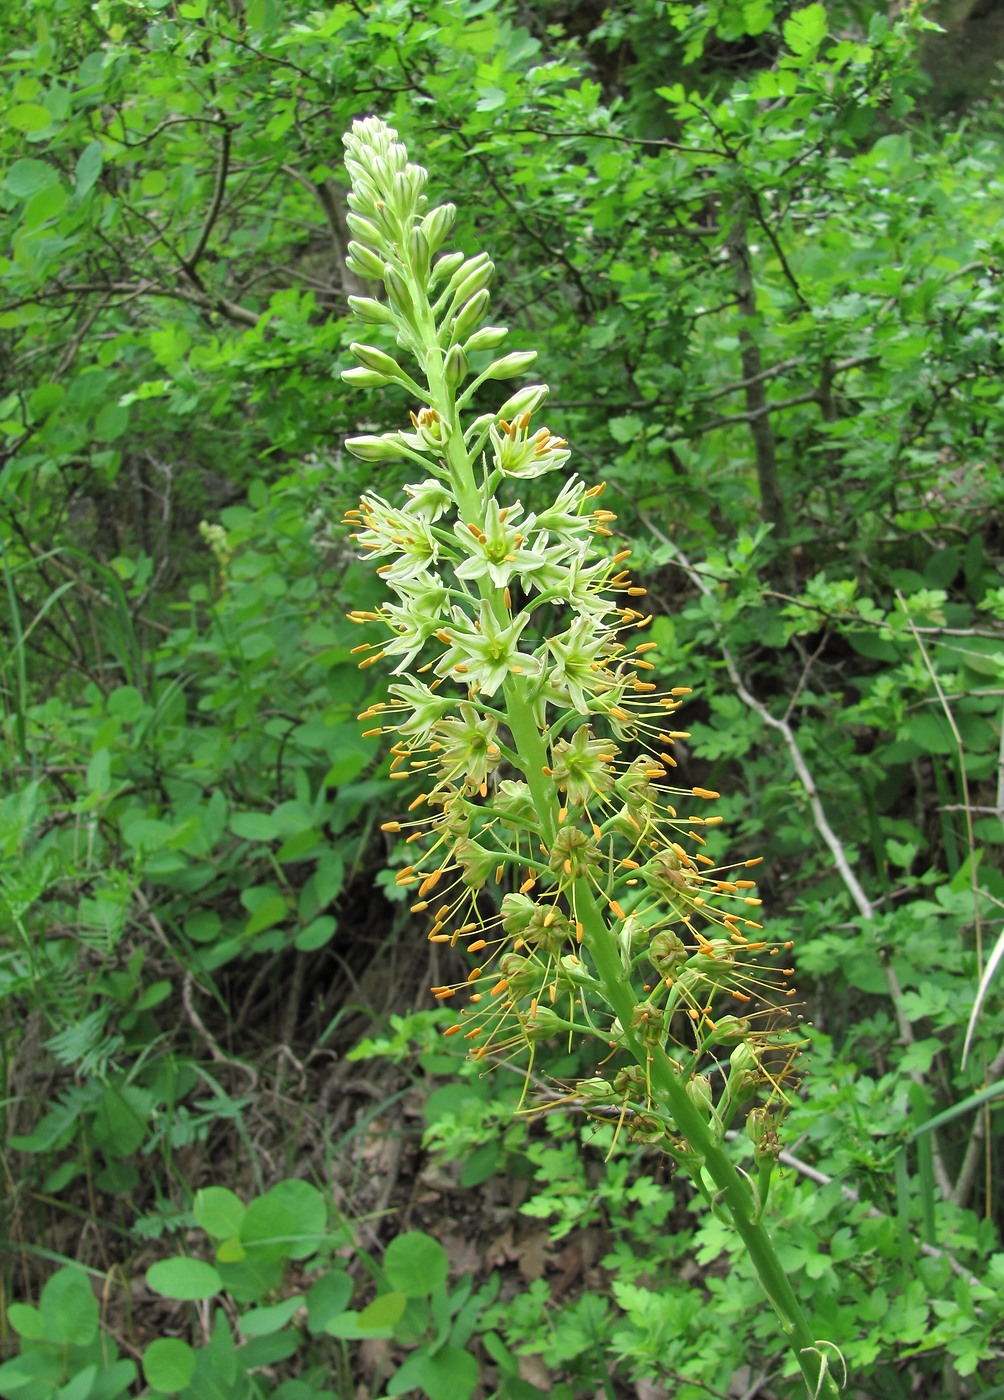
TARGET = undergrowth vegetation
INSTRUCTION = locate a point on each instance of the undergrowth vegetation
(764, 278)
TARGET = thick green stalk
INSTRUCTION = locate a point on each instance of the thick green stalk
(734, 1191)
(621, 998)
(385, 182)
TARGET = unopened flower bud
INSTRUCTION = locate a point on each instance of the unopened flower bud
(476, 279)
(437, 224)
(487, 338)
(365, 229)
(398, 291)
(456, 367)
(364, 262)
(525, 400)
(518, 362)
(373, 313)
(362, 378)
(445, 266)
(471, 315)
(373, 358)
(371, 448)
(420, 253)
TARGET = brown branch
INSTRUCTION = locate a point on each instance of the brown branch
(212, 213)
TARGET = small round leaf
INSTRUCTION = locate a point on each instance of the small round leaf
(190, 1280)
(416, 1264)
(218, 1211)
(168, 1364)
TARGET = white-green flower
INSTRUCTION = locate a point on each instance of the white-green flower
(415, 618)
(579, 654)
(495, 550)
(482, 654)
(408, 540)
(466, 747)
(516, 454)
(428, 500)
(426, 708)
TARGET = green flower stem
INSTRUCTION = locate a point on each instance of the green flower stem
(397, 243)
(620, 996)
(733, 1190)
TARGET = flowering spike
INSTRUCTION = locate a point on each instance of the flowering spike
(537, 723)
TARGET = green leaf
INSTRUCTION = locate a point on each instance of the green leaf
(112, 420)
(190, 1280)
(346, 1326)
(121, 1120)
(416, 1264)
(262, 1322)
(450, 1374)
(254, 826)
(491, 99)
(303, 1209)
(271, 911)
(45, 205)
(154, 182)
(327, 1298)
(99, 772)
(69, 1308)
(80, 1386)
(45, 399)
(88, 168)
(218, 1211)
(169, 1364)
(29, 117)
(806, 29)
(625, 428)
(26, 1321)
(231, 1251)
(384, 1311)
(316, 935)
(26, 177)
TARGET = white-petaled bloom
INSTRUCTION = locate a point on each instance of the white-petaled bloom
(429, 500)
(484, 653)
(516, 454)
(580, 654)
(496, 550)
(466, 747)
(408, 539)
(585, 576)
(565, 517)
(544, 567)
(426, 708)
(415, 619)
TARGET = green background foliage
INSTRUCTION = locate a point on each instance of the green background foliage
(758, 249)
